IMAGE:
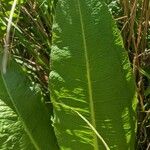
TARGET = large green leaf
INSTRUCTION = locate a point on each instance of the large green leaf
(33, 129)
(90, 75)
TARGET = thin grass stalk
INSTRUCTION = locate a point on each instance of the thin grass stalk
(7, 39)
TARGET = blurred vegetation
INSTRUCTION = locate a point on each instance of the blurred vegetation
(30, 38)
(30, 42)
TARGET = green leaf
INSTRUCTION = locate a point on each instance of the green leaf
(25, 103)
(91, 75)
(12, 134)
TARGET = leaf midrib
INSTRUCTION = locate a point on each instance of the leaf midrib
(23, 122)
(93, 121)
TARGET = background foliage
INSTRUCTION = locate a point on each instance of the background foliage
(30, 43)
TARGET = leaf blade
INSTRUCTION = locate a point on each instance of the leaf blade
(91, 67)
(32, 112)
(12, 134)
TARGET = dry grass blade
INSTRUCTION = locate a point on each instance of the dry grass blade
(93, 129)
(73, 110)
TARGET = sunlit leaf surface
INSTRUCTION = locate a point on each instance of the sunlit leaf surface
(90, 74)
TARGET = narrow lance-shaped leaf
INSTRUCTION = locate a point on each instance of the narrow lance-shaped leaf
(90, 75)
(33, 129)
